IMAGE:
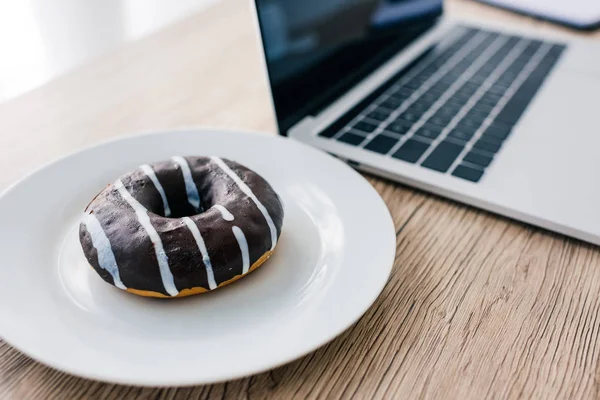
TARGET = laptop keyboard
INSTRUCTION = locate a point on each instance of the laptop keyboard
(452, 110)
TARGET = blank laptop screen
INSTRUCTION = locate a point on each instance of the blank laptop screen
(318, 49)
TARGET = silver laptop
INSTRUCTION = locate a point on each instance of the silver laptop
(498, 118)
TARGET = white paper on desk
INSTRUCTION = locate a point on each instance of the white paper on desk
(573, 12)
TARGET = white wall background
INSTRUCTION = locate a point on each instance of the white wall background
(42, 39)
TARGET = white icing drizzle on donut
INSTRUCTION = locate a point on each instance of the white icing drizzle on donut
(161, 256)
(248, 192)
(106, 257)
(150, 173)
(227, 216)
(202, 247)
(190, 186)
(241, 239)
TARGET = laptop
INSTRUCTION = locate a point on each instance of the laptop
(499, 118)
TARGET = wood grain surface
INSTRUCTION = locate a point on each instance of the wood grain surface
(477, 306)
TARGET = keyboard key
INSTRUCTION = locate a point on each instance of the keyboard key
(399, 126)
(482, 112)
(422, 103)
(430, 97)
(439, 87)
(442, 157)
(462, 96)
(511, 74)
(461, 135)
(402, 93)
(469, 124)
(412, 84)
(439, 121)
(329, 133)
(419, 106)
(470, 86)
(464, 93)
(411, 150)
(503, 84)
(482, 108)
(421, 78)
(410, 117)
(429, 131)
(458, 102)
(556, 50)
(391, 103)
(479, 78)
(492, 97)
(504, 81)
(511, 114)
(365, 126)
(415, 111)
(467, 128)
(488, 101)
(487, 146)
(474, 120)
(460, 142)
(503, 125)
(450, 108)
(379, 114)
(497, 131)
(491, 139)
(487, 69)
(447, 111)
(468, 173)
(476, 117)
(497, 89)
(381, 144)
(478, 158)
(351, 138)
(399, 97)
(428, 71)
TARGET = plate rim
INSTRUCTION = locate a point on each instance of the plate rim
(333, 334)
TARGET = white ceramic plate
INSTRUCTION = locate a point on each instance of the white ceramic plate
(334, 257)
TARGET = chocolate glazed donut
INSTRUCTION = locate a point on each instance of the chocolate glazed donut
(181, 227)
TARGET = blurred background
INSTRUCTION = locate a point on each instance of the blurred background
(41, 40)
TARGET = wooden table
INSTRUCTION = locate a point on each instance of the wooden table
(476, 306)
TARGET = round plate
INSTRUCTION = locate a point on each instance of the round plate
(335, 255)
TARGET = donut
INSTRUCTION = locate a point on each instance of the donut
(180, 227)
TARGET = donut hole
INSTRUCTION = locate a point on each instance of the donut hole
(178, 202)
(182, 208)
(179, 206)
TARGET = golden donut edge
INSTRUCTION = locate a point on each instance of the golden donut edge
(198, 290)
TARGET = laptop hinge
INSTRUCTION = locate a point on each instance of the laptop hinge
(305, 124)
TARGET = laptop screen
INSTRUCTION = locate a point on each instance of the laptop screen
(318, 49)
